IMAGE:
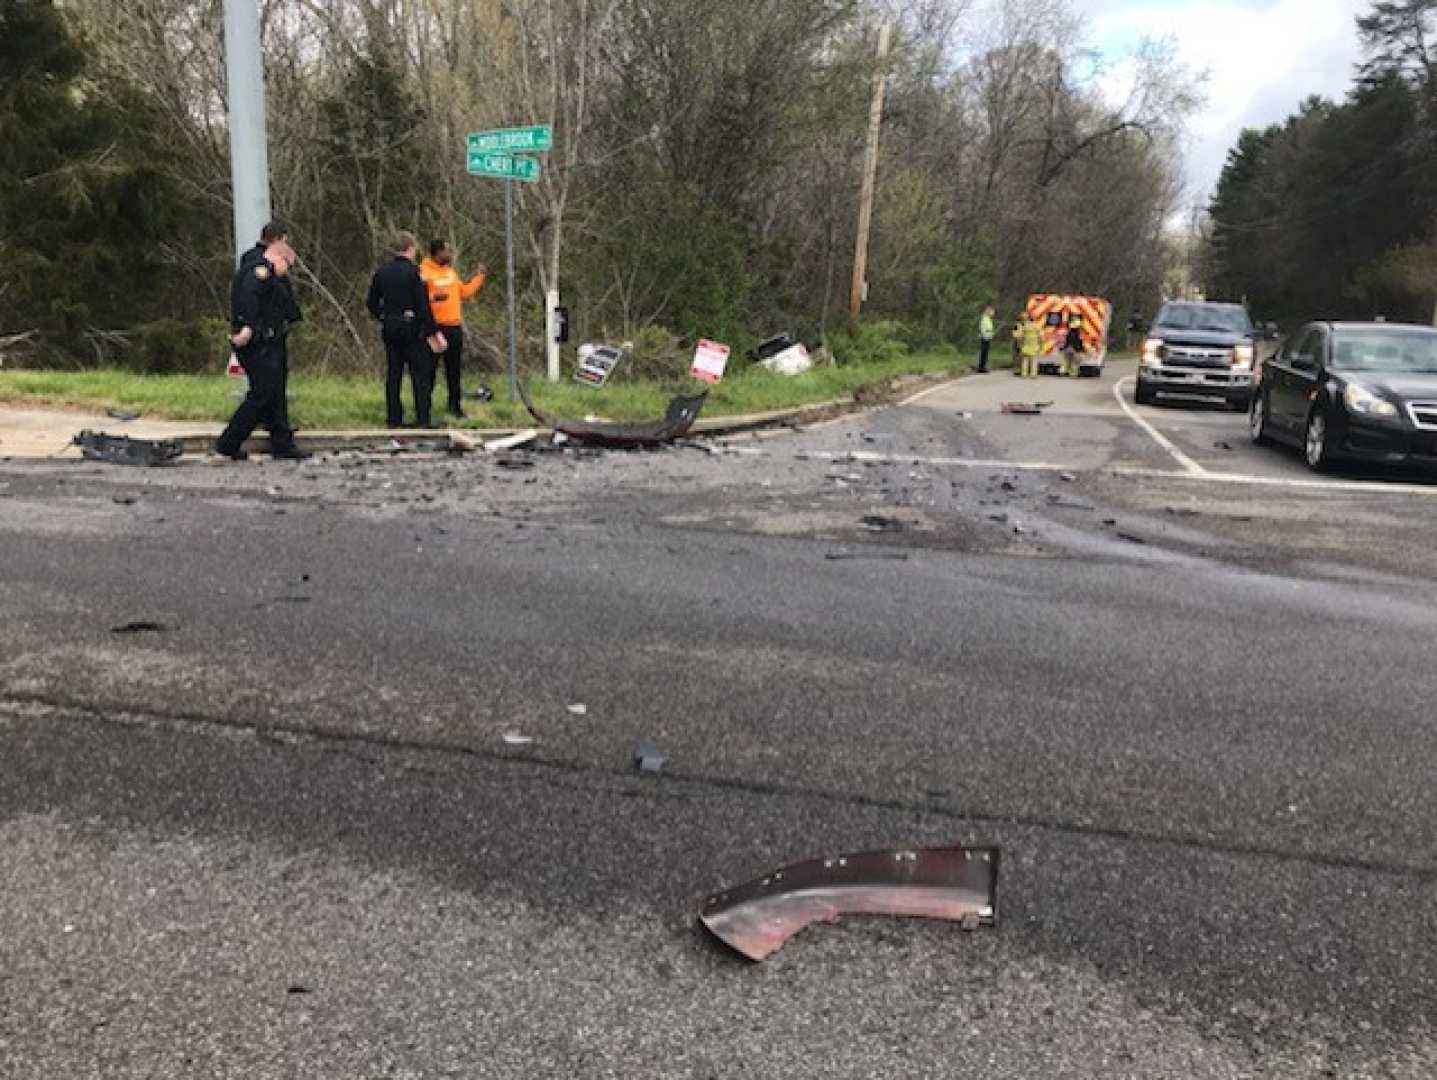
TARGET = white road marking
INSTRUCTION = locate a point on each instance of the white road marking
(1158, 437)
(926, 393)
(859, 457)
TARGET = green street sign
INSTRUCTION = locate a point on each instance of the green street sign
(533, 140)
(503, 166)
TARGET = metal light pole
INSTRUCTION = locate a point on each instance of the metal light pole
(249, 147)
(513, 301)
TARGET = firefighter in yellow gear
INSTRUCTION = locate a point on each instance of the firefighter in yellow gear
(1028, 336)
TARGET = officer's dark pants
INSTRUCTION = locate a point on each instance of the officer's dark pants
(267, 367)
(454, 365)
(985, 346)
(407, 350)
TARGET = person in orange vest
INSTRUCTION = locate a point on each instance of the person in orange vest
(447, 293)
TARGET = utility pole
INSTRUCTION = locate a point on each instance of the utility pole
(249, 147)
(870, 177)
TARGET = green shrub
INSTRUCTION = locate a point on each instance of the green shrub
(881, 342)
(172, 347)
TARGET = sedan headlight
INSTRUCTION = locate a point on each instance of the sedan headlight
(1242, 356)
(1365, 403)
(1153, 350)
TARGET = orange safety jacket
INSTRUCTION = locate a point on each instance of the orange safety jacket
(447, 291)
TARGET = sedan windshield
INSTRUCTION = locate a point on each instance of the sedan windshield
(1389, 352)
(1218, 318)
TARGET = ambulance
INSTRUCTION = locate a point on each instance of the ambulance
(1054, 314)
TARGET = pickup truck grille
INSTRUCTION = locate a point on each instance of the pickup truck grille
(1424, 414)
(1197, 356)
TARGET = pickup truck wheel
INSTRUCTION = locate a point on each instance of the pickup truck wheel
(1143, 395)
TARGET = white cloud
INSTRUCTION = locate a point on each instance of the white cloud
(1262, 58)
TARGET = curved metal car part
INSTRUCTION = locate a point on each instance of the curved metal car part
(679, 417)
(956, 884)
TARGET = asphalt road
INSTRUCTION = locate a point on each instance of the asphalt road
(283, 835)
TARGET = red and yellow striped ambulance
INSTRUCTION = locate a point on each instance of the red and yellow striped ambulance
(1054, 314)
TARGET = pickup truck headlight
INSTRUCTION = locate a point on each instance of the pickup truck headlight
(1153, 350)
(1365, 403)
(1242, 356)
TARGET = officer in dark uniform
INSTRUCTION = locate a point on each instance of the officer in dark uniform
(399, 299)
(268, 235)
(264, 306)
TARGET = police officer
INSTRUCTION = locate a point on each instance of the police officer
(263, 307)
(272, 232)
(399, 299)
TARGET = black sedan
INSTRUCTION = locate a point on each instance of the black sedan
(1351, 391)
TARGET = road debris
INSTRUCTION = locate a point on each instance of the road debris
(512, 442)
(846, 556)
(510, 461)
(679, 417)
(953, 884)
(879, 523)
(648, 758)
(1026, 408)
(1131, 538)
(1222, 446)
(1067, 477)
(140, 626)
(124, 500)
(513, 738)
(124, 416)
(579, 709)
(123, 450)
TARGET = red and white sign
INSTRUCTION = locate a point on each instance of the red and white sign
(710, 359)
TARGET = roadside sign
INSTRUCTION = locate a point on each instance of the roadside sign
(710, 359)
(597, 364)
(503, 166)
(493, 154)
(537, 140)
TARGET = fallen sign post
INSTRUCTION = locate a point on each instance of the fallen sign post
(492, 154)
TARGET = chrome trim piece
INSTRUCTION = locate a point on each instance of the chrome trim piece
(1423, 414)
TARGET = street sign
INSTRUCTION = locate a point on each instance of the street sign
(535, 140)
(710, 359)
(493, 154)
(503, 167)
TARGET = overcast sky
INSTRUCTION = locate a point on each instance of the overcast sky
(1262, 57)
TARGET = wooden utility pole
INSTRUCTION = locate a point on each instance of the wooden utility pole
(870, 176)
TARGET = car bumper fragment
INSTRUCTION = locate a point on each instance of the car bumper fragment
(955, 884)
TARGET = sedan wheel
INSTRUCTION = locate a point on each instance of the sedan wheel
(1257, 420)
(1315, 444)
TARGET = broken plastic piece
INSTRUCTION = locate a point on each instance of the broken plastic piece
(512, 738)
(123, 450)
(680, 416)
(648, 758)
(124, 416)
(1026, 408)
(955, 884)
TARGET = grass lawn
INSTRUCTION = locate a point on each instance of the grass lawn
(334, 403)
